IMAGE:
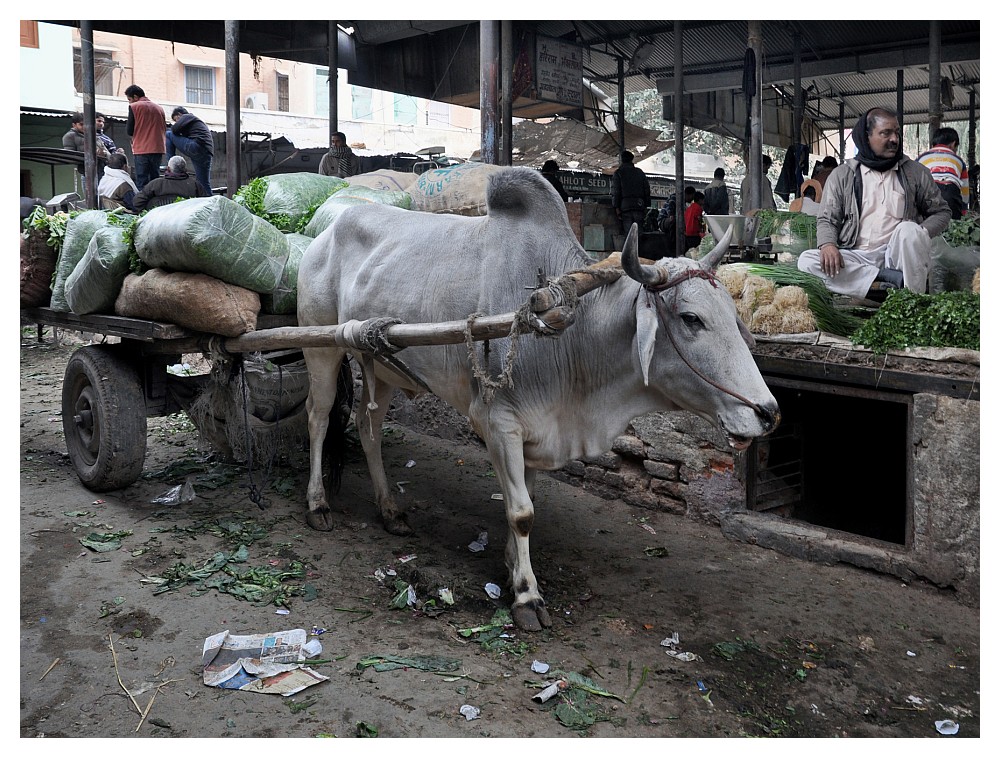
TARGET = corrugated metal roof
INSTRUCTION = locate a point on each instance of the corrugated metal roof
(856, 61)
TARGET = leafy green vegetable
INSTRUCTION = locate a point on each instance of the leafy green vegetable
(963, 232)
(907, 319)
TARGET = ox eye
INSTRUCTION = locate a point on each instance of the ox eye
(691, 319)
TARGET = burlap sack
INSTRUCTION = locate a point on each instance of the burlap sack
(194, 301)
(384, 179)
(457, 189)
(38, 262)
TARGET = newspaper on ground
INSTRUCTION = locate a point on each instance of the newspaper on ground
(272, 663)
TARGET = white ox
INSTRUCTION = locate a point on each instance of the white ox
(571, 395)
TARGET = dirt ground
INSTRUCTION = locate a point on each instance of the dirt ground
(777, 647)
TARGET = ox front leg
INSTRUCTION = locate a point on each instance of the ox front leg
(517, 485)
(370, 430)
(323, 366)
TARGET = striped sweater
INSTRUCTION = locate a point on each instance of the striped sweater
(947, 168)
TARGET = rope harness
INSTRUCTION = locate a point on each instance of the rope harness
(652, 294)
(563, 294)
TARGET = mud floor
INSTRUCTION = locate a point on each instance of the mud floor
(767, 645)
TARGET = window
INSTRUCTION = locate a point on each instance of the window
(361, 103)
(438, 114)
(104, 67)
(29, 34)
(322, 92)
(199, 85)
(404, 109)
(282, 94)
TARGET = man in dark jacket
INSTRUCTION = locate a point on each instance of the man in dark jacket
(717, 195)
(176, 184)
(191, 136)
(629, 193)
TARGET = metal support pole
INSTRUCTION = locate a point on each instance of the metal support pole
(755, 168)
(333, 62)
(974, 181)
(506, 91)
(843, 137)
(934, 80)
(90, 177)
(799, 102)
(621, 105)
(900, 107)
(679, 136)
(233, 103)
(488, 104)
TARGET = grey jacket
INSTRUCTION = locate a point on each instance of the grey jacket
(839, 221)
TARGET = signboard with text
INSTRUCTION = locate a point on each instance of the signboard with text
(559, 71)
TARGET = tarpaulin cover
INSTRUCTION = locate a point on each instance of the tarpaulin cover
(214, 236)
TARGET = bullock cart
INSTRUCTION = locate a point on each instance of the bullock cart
(109, 390)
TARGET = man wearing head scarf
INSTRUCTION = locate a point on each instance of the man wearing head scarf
(880, 211)
(339, 160)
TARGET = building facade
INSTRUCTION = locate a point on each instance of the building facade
(280, 98)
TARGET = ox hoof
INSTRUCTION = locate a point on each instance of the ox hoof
(531, 618)
(320, 519)
(398, 525)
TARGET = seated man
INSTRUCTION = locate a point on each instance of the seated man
(879, 213)
(116, 188)
(176, 184)
(808, 203)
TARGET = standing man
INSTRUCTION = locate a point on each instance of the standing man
(74, 140)
(629, 193)
(191, 136)
(147, 125)
(717, 195)
(879, 213)
(766, 191)
(339, 160)
(948, 170)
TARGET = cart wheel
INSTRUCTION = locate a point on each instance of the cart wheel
(104, 418)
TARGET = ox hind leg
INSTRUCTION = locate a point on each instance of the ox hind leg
(323, 365)
(518, 485)
(369, 424)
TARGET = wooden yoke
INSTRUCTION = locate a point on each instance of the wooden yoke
(547, 304)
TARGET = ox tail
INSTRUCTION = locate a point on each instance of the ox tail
(335, 444)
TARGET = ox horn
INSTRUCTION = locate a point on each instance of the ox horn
(648, 275)
(711, 260)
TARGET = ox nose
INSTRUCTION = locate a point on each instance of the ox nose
(770, 416)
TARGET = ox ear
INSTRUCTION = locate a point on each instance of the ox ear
(745, 333)
(645, 333)
(711, 260)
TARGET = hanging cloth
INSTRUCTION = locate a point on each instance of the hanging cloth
(794, 169)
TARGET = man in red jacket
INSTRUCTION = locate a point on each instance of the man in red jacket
(147, 126)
